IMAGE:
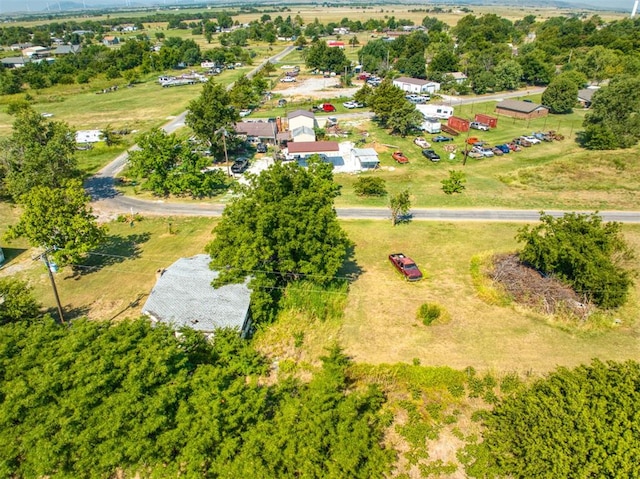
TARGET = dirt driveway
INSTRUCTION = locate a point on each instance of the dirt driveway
(314, 87)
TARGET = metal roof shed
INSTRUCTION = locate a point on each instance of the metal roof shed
(183, 297)
(367, 158)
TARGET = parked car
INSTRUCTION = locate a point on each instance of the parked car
(352, 104)
(328, 107)
(513, 147)
(261, 147)
(441, 138)
(504, 148)
(244, 113)
(287, 80)
(497, 151)
(431, 155)
(522, 142)
(406, 266)
(472, 140)
(421, 142)
(240, 165)
(485, 152)
(532, 139)
(472, 154)
(282, 102)
(476, 125)
(399, 157)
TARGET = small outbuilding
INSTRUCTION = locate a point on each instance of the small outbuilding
(585, 95)
(524, 110)
(184, 297)
(367, 158)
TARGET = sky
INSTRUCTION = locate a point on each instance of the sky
(8, 6)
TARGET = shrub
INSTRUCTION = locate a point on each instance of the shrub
(370, 186)
(455, 182)
(429, 312)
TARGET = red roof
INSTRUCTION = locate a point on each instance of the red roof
(335, 44)
(313, 147)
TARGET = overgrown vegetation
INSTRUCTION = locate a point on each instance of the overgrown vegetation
(370, 186)
(429, 312)
(144, 402)
(580, 249)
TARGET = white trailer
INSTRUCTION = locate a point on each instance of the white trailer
(442, 112)
(431, 125)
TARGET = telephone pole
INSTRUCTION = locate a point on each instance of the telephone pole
(45, 258)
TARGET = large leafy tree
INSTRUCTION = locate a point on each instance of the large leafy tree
(281, 228)
(404, 118)
(384, 99)
(61, 220)
(614, 115)
(210, 112)
(166, 165)
(40, 152)
(17, 302)
(573, 423)
(508, 74)
(588, 254)
(560, 96)
(102, 398)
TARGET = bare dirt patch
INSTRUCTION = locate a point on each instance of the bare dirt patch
(315, 87)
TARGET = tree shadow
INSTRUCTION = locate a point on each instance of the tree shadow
(11, 253)
(404, 219)
(116, 249)
(350, 269)
(69, 313)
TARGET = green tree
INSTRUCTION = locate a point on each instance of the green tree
(404, 118)
(209, 112)
(59, 219)
(292, 233)
(39, 152)
(17, 302)
(455, 182)
(166, 165)
(508, 75)
(581, 250)
(560, 96)
(444, 61)
(109, 137)
(613, 115)
(370, 186)
(384, 99)
(242, 94)
(572, 423)
(399, 204)
(363, 94)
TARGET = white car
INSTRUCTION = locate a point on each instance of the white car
(244, 113)
(287, 80)
(531, 139)
(352, 104)
(422, 143)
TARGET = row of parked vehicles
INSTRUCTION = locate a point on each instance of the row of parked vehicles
(480, 149)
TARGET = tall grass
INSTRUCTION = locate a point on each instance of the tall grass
(316, 301)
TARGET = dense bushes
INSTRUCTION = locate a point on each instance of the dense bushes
(97, 398)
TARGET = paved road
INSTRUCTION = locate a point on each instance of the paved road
(107, 200)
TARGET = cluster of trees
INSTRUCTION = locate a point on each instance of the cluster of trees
(573, 423)
(322, 57)
(406, 54)
(390, 106)
(96, 399)
(39, 171)
(281, 228)
(134, 57)
(591, 256)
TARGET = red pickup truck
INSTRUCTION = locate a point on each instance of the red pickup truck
(406, 266)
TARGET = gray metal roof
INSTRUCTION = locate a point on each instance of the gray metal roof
(183, 296)
(586, 93)
(519, 106)
(303, 130)
(297, 113)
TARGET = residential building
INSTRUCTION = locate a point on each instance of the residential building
(303, 134)
(264, 131)
(304, 149)
(458, 77)
(300, 118)
(184, 297)
(585, 95)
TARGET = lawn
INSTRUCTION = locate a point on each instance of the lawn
(380, 326)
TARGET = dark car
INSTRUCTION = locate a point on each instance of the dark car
(441, 138)
(240, 165)
(261, 147)
(504, 147)
(431, 155)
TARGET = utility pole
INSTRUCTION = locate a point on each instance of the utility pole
(45, 258)
(222, 131)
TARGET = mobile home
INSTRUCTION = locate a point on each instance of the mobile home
(442, 112)
(431, 125)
